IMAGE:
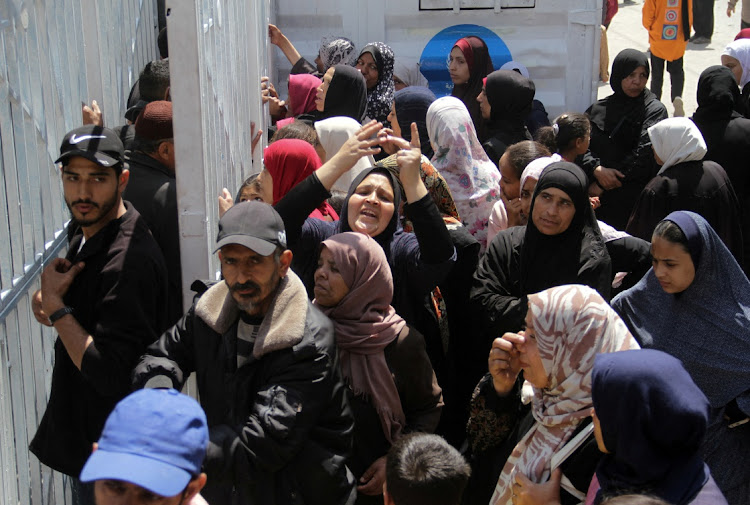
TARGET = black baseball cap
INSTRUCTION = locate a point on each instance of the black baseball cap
(255, 225)
(95, 143)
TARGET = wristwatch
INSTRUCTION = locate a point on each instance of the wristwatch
(59, 314)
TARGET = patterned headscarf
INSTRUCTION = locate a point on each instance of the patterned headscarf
(365, 323)
(473, 179)
(572, 324)
(337, 51)
(380, 97)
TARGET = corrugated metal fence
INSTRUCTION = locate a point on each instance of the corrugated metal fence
(54, 54)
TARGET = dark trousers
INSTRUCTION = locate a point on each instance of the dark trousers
(676, 76)
(703, 18)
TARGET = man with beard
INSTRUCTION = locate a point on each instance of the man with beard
(106, 299)
(266, 367)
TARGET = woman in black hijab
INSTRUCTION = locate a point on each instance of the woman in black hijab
(561, 244)
(342, 93)
(727, 135)
(620, 161)
(505, 102)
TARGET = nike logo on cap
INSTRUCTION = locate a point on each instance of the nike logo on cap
(76, 140)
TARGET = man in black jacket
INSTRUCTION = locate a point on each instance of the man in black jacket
(152, 189)
(106, 299)
(266, 366)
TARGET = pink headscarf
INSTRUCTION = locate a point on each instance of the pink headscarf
(289, 162)
(365, 323)
(302, 90)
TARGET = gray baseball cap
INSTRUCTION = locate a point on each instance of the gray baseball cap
(255, 225)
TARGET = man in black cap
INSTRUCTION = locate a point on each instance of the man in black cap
(266, 366)
(106, 299)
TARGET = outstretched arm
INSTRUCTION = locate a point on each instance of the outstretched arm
(278, 39)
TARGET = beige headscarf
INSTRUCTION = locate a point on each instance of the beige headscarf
(676, 140)
(573, 324)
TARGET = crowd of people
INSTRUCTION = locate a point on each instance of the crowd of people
(445, 300)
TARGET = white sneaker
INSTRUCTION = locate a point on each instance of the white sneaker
(679, 107)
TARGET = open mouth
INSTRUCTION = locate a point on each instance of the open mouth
(369, 213)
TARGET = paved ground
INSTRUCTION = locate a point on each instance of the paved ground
(627, 31)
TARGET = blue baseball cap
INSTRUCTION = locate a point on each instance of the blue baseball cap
(155, 439)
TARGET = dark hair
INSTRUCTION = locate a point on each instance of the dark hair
(297, 130)
(163, 43)
(154, 80)
(146, 146)
(250, 181)
(634, 499)
(569, 126)
(522, 153)
(668, 230)
(425, 469)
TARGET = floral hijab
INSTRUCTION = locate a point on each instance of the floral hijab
(573, 324)
(473, 179)
(337, 51)
(380, 98)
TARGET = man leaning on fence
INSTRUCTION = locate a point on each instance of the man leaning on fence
(106, 299)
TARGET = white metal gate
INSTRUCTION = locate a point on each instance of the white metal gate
(54, 55)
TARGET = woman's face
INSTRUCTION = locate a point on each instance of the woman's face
(320, 96)
(484, 105)
(553, 211)
(393, 119)
(526, 192)
(634, 84)
(458, 67)
(265, 181)
(529, 359)
(371, 206)
(510, 185)
(330, 287)
(673, 265)
(734, 65)
(369, 68)
(398, 84)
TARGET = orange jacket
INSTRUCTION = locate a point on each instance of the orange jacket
(667, 37)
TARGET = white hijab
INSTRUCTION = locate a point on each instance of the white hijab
(740, 50)
(333, 132)
(676, 140)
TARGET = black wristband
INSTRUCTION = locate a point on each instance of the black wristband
(59, 314)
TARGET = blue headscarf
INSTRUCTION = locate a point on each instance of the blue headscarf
(707, 326)
(411, 107)
(653, 419)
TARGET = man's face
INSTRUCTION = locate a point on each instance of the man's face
(118, 492)
(92, 192)
(252, 279)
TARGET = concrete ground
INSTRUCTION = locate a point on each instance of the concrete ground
(627, 31)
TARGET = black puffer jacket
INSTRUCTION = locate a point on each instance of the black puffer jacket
(280, 427)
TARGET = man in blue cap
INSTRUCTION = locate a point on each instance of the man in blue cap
(150, 451)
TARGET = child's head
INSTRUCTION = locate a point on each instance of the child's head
(569, 135)
(514, 161)
(250, 190)
(424, 469)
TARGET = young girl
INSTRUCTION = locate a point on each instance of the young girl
(569, 136)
